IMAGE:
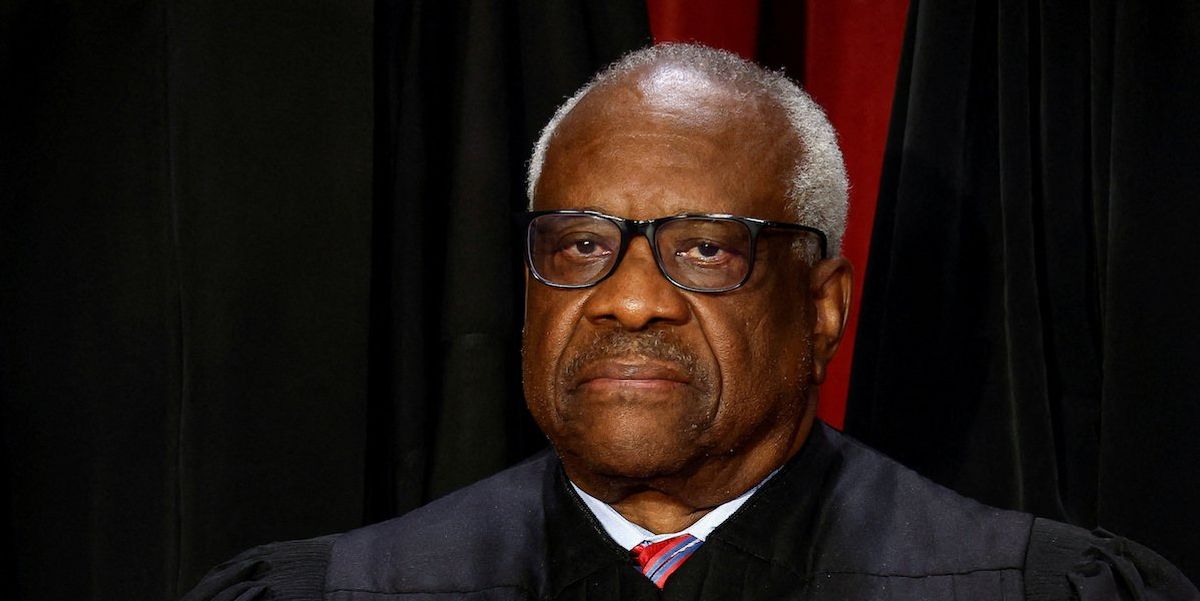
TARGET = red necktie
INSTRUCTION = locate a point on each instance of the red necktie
(659, 560)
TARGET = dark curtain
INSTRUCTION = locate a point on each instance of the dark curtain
(227, 316)
(463, 91)
(1029, 329)
(184, 233)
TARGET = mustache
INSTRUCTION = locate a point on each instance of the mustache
(658, 345)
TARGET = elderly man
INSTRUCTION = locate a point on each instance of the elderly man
(685, 294)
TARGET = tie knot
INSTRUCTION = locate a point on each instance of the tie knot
(658, 560)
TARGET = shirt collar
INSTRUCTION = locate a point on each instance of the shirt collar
(629, 535)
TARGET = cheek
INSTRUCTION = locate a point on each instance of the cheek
(550, 318)
(762, 352)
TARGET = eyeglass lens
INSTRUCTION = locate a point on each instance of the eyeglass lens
(696, 252)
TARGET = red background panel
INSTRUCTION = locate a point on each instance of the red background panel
(729, 25)
(852, 50)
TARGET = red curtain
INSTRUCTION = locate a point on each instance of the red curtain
(849, 53)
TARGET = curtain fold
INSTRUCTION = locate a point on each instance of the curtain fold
(1027, 329)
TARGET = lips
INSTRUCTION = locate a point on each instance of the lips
(613, 359)
(631, 372)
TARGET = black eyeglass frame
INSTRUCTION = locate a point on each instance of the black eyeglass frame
(632, 228)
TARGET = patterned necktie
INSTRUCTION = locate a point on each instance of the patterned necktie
(659, 560)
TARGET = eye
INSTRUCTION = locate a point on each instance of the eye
(704, 252)
(708, 249)
(585, 247)
(582, 246)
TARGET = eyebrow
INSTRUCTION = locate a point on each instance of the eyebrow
(669, 213)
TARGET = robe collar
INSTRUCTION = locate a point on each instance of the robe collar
(768, 526)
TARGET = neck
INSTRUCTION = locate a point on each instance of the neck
(659, 513)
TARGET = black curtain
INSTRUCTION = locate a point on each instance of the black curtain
(1029, 328)
(184, 224)
(256, 273)
(463, 90)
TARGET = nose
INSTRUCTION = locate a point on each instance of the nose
(637, 296)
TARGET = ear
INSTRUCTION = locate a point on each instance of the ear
(830, 285)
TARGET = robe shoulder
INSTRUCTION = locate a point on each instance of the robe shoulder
(284, 571)
(883, 519)
(880, 527)
(1065, 562)
(485, 537)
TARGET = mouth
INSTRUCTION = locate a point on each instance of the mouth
(631, 374)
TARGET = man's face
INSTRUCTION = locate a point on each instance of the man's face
(634, 377)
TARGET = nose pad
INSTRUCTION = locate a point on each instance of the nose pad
(637, 295)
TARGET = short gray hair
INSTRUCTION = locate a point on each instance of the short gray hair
(818, 194)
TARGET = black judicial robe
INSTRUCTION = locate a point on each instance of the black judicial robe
(838, 522)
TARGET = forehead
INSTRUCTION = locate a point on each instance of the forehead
(669, 140)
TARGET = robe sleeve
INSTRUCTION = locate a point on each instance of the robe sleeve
(289, 571)
(1067, 563)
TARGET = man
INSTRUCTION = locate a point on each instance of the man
(684, 296)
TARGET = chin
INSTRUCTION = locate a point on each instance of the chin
(637, 457)
(628, 436)
(632, 467)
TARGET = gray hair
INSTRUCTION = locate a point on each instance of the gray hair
(818, 192)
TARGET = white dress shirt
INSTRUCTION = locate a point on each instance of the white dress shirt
(629, 535)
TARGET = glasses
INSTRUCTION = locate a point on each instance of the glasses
(700, 253)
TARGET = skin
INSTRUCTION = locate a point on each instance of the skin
(661, 402)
